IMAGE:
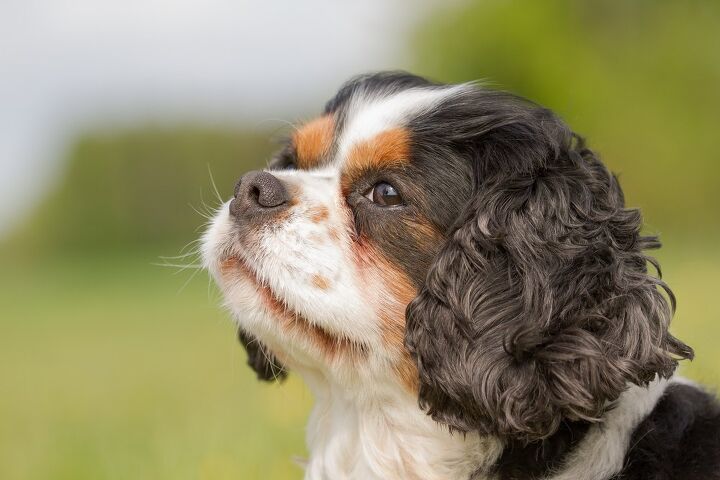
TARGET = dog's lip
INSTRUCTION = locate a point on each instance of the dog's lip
(236, 264)
(288, 317)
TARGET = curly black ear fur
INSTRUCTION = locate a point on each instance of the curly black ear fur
(260, 359)
(539, 308)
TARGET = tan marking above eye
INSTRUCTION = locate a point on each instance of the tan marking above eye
(387, 149)
(313, 141)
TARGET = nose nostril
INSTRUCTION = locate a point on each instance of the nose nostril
(257, 192)
(254, 194)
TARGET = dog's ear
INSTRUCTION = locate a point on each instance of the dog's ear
(260, 359)
(539, 308)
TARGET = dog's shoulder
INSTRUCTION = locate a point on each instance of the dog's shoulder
(680, 439)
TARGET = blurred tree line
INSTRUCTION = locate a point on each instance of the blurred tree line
(639, 78)
(143, 187)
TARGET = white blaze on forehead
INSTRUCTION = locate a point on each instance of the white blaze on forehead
(327, 174)
(370, 115)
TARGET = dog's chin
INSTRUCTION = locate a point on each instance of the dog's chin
(266, 314)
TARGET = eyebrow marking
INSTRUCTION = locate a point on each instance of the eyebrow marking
(371, 114)
(388, 149)
(313, 141)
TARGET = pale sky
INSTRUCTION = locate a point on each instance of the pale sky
(72, 65)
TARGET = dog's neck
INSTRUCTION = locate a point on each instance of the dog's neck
(377, 433)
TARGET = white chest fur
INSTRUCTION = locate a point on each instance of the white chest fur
(382, 435)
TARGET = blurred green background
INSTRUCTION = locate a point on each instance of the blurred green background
(113, 367)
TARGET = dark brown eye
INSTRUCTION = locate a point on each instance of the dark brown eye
(384, 194)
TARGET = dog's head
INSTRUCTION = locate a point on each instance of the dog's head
(459, 243)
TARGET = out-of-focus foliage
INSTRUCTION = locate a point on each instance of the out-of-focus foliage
(114, 369)
(132, 188)
(640, 79)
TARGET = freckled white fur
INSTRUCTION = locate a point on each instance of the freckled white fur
(292, 255)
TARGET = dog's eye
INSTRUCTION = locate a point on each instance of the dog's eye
(384, 194)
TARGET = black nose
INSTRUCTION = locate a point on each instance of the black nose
(257, 193)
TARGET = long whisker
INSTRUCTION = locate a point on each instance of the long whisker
(215, 189)
(179, 257)
(187, 282)
(181, 266)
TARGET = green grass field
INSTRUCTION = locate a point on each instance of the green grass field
(110, 369)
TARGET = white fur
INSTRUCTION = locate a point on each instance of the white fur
(380, 433)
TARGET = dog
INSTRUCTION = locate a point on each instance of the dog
(455, 276)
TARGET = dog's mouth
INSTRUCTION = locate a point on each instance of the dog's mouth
(290, 321)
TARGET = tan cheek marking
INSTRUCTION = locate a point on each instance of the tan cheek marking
(319, 214)
(425, 235)
(316, 238)
(392, 313)
(313, 141)
(334, 234)
(294, 191)
(228, 266)
(320, 282)
(394, 327)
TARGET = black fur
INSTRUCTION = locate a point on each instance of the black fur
(535, 460)
(260, 359)
(679, 440)
(539, 308)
